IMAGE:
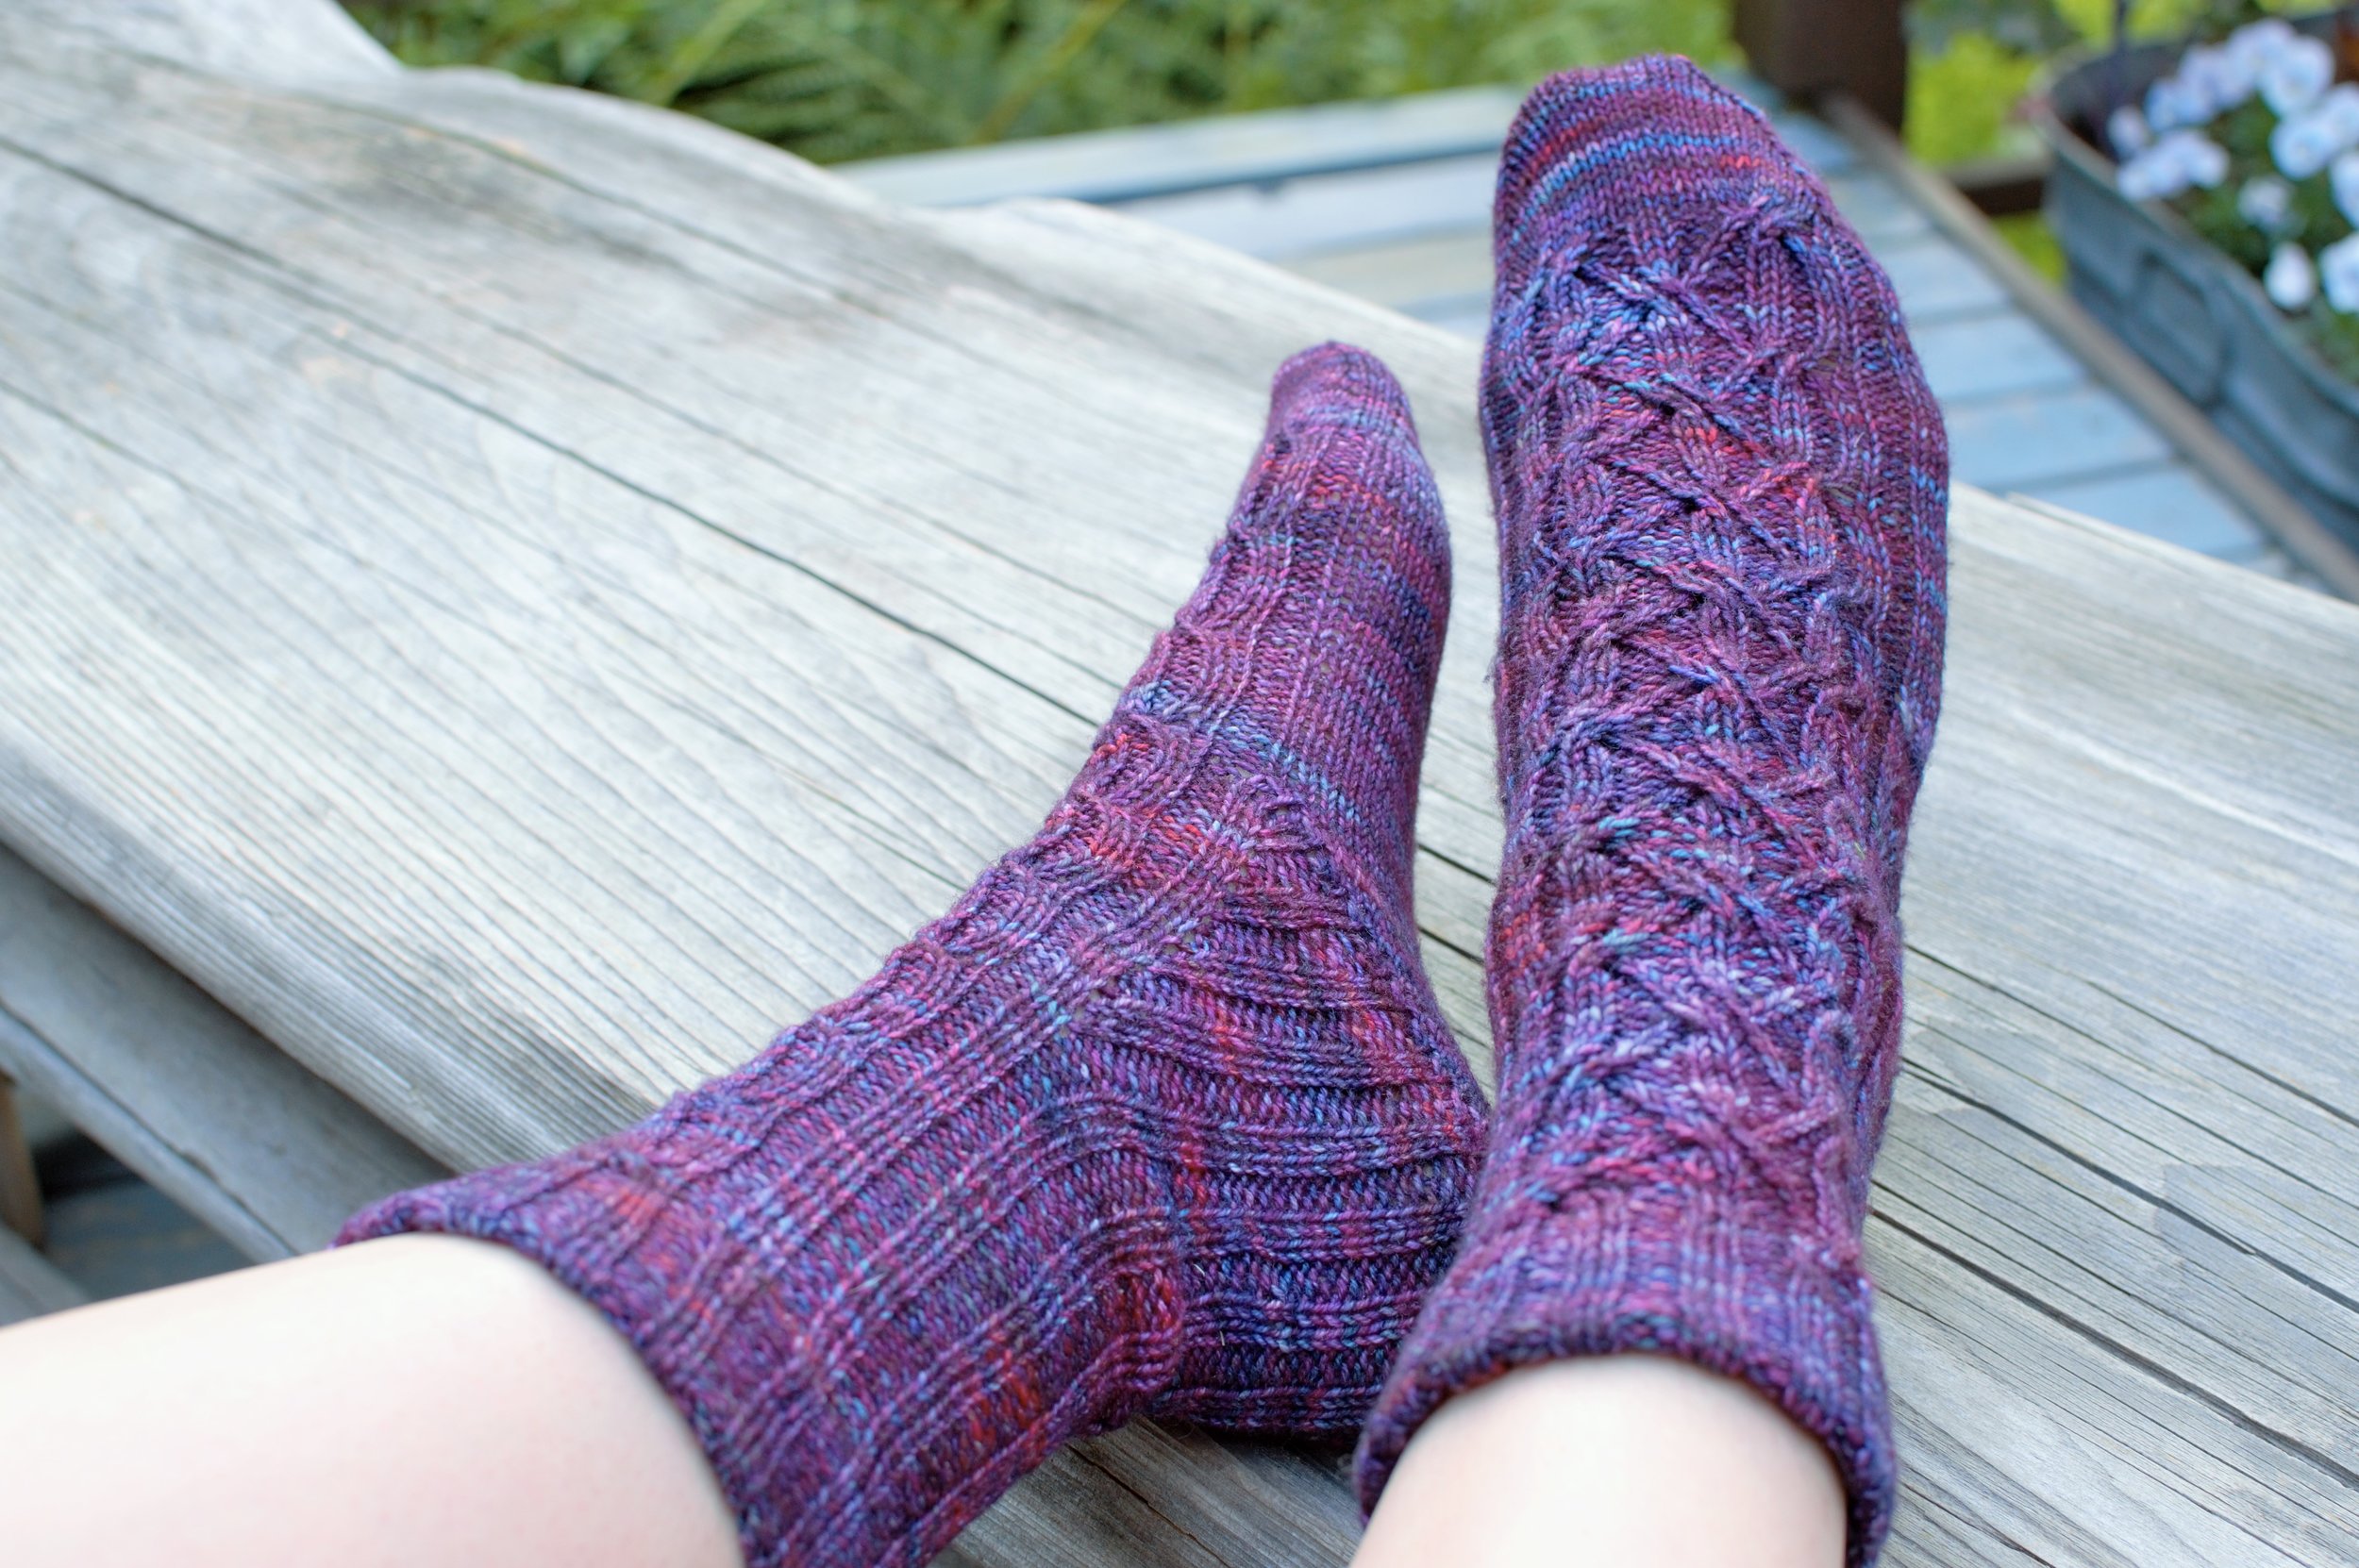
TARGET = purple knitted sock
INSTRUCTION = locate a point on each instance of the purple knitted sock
(1721, 485)
(1160, 1119)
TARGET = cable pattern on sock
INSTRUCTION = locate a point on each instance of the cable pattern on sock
(1721, 487)
(1161, 1117)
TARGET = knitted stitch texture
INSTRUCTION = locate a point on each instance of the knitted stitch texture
(1160, 1119)
(1722, 490)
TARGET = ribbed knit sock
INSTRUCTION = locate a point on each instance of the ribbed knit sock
(1721, 489)
(1160, 1119)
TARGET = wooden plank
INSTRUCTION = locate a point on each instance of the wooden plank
(180, 1090)
(30, 1285)
(2171, 501)
(1462, 315)
(1877, 207)
(1451, 268)
(2050, 437)
(519, 596)
(1399, 274)
(1237, 149)
(1937, 280)
(2117, 1220)
(2001, 354)
(1303, 217)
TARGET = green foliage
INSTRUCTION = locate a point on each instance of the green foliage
(2028, 235)
(2153, 20)
(1971, 61)
(836, 79)
(1961, 100)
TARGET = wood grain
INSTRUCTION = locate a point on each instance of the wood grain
(518, 596)
(176, 1087)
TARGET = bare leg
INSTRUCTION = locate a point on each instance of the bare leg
(1620, 1461)
(416, 1400)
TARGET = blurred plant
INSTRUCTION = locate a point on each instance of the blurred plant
(2019, 26)
(834, 80)
(1972, 60)
(2257, 147)
(1962, 99)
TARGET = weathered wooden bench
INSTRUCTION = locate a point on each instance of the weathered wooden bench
(510, 597)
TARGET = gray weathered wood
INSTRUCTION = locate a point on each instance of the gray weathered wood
(1999, 354)
(2049, 437)
(2171, 501)
(181, 1090)
(1236, 149)
(30, 1285)
(518, 596)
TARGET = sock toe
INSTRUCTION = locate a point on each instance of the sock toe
(1644, 147)
(1337, 557)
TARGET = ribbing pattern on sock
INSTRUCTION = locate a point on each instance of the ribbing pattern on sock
(1161, 1118)
(1721, 489)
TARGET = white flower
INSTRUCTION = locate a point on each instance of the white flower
(2172, 103)
(2292, 79)
(2147, 178)
(2256, 43)
(2344, 176)
(2338, 266)
(2338, 111)
(2125, 129)
(2181, 158)
(2152, 175)
(2302, 145)
(2207, 162)
(2266, 202)
(2217, 78)
(2291, 280)
(2204, 159)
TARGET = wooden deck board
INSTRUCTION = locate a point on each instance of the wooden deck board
(1304, 217)
(519, 596)
(178, 1089)
(2050, 437)
(2172, 501)
(1412, 234)
(1995, 354)
(1935, 280)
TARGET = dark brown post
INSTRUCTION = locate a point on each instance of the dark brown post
(1806, 47)
(19, 1190)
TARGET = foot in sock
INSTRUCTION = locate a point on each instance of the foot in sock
(1160, 1119)
(1721, 485)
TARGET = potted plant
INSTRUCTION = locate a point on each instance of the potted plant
(2206, 199)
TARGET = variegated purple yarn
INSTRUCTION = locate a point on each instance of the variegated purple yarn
(1722, 490)
(1161, 1118)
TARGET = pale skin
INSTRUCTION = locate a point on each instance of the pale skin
(427, 1400)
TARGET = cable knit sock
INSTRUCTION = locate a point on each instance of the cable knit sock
(1160, 1119)
(1721, 483)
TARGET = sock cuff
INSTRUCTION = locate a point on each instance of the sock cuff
(1667, 1270)
(610, 1225)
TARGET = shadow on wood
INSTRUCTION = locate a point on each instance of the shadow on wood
(518, 596)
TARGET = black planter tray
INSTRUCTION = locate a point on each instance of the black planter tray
(2195, 316)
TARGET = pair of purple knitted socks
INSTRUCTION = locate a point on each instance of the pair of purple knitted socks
(1162, 1118)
